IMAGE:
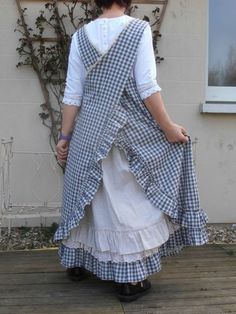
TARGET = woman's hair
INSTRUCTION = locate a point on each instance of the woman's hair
(108, 3)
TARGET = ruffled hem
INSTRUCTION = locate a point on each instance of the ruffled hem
(118, 272)
(124, 271)
(109, 256)
(192, 222)
(120, 242)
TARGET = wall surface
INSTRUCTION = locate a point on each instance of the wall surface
(182, 77)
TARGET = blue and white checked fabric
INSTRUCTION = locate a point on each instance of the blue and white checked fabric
(123, 271)
(112, 111)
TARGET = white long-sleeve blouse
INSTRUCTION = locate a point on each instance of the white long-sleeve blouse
(102, 32)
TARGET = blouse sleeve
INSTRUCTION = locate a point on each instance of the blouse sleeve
(145, 66)
(75, 78)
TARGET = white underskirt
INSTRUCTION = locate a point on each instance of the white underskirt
(120, 224)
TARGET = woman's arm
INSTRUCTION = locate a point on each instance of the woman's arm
(173, 131)
(69, 114)
(72, 99)
(145, 74)
(74, 87)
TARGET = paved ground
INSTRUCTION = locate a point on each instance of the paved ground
(198, 280)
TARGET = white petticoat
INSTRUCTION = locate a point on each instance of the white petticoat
(120, 224)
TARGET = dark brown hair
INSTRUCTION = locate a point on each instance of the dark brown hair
(108, 3)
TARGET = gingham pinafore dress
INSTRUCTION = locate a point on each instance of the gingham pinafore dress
(112, 113)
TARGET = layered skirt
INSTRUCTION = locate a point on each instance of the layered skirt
(121, 232)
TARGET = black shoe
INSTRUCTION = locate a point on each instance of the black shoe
(128, 292)
(76, 273)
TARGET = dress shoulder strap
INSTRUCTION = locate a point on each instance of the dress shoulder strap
(128, 37)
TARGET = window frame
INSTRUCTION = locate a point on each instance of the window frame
(217, 99)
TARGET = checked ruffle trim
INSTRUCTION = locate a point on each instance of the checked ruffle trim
(193, 222)
(124, 271)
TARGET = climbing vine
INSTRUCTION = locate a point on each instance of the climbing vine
(48, 56)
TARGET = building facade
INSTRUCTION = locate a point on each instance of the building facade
(198, 84)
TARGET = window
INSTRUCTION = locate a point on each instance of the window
(222, 51)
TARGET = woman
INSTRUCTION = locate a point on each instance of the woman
(130, 194)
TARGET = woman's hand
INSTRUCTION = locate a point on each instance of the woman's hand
(176, 133)
(62, 150)
(69, 114)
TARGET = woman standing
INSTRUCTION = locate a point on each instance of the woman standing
(130, 193)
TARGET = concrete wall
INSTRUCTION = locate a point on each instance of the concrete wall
(182, 77)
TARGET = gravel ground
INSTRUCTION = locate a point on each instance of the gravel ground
(27, 238)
